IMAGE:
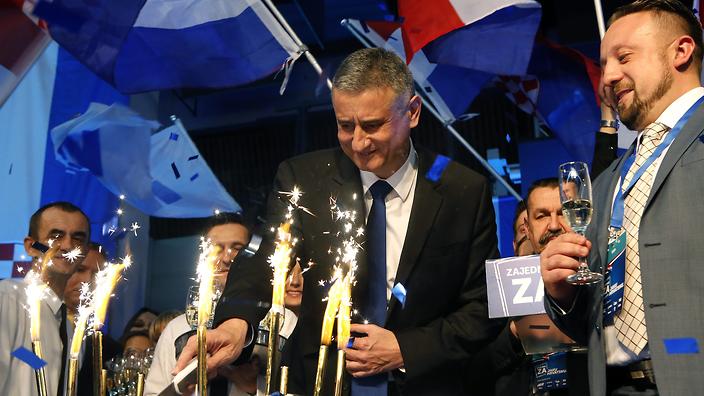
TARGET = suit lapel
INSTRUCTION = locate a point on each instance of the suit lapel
(426, 202)
(688, 134)
(608, 197)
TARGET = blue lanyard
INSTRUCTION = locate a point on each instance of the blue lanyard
(621, 193)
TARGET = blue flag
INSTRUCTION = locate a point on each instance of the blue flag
(143, 45)
(162, 174)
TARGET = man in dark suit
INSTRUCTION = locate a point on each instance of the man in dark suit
(436, 230)
(644, 336)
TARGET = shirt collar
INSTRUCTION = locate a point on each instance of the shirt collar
(401, 181)
(676, 109)
(51, 299)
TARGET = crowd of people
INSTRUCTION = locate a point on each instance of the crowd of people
(429, 229)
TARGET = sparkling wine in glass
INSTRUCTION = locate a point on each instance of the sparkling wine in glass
(576, 197)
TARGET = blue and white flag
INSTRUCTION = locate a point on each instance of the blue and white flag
(162, 174)
(139, 45)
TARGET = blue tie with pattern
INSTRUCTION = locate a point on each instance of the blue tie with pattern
(375, 307)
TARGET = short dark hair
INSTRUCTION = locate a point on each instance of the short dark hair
(62, 205)
(548, 182)
(371, 68)
(223, 218)
(688, 22)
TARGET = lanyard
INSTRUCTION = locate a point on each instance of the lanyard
(621, 193)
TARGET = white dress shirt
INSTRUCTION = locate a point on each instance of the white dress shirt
(616, 353)
(398, 211)
(17, 378)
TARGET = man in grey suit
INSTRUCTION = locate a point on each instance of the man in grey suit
(644, 333)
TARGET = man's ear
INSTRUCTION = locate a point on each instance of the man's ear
(414, 110)
(684, 52)
(28, 242)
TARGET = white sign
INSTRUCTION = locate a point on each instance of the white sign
(514, 286)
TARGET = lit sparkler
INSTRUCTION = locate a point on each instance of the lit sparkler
(279, 262)
(334, 298)
(84, 311)
(206, 276)
(105, 281)
(343, 331)
(339, 295)
(36, 291)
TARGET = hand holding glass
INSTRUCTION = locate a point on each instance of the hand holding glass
(576, 198)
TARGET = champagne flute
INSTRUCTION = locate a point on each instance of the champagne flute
(576, 198)
(192, 307)
(192, 304)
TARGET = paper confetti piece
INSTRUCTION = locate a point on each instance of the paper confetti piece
(29, 357)
(400, 293)
(435, 172)
(680, 346)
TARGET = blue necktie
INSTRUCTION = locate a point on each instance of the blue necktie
(375, 307)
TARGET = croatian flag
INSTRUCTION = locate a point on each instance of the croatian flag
(451, 89)
(139, 45)
(493, 36)
(21, 43)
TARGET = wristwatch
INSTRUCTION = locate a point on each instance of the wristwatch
(609, 124)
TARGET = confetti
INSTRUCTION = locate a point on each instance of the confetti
(29, 357)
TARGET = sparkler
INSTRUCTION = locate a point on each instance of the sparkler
(206, 276)
(36, 291)
(334, 298)
(339, 295)
(343, 331)
(279, 262)
(84, 312)
(105, 281)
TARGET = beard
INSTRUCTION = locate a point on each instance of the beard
(634, 115)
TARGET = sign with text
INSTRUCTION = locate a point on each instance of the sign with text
(514, 286)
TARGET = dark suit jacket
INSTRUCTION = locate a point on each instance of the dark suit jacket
(451, 233)
(672, 274)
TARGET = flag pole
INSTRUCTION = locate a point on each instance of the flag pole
(446, 123)
(303, 48)
(599, 18)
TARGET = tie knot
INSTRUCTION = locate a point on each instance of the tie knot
(380, 189)
(654, 132)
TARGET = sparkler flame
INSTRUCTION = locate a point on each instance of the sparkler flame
(73, 255)
(36, 291)
(334, 298)
(206, 276)
(105, 281)
(279, 262)
(343, 316)
(84, 311)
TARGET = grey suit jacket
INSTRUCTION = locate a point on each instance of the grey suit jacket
(671, 261)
